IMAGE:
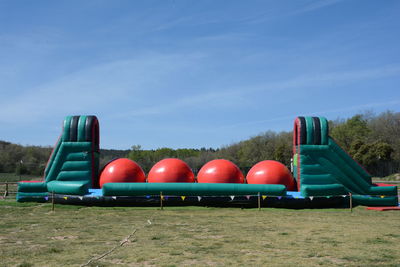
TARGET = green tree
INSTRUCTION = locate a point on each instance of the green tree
(354, 129)
(370, 155)
(386, 128)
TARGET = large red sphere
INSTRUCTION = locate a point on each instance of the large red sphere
(122, 171)
(220, 171)
(270, 172)
(170, 171)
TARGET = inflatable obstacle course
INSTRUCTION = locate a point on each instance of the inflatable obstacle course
(324, 176)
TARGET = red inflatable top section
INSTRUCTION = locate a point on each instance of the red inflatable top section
(220, 171)
(171, 171)
(122, 171)
(270, 172)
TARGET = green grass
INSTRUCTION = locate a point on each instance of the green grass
(32, 235)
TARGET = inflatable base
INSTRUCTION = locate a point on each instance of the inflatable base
(292, 200)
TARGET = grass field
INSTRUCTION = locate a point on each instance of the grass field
(32, 235)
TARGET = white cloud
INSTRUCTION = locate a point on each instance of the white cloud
(97, 88)
(275, 12)
(228, 98)
(355, 108)
(141, 85)
(315, 5)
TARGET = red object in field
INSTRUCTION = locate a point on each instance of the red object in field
(382, 184)
(270, 172)
(122, 171)
(220, 171)
(383, 208)
(171, 171)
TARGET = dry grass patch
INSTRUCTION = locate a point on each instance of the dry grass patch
(31, 235)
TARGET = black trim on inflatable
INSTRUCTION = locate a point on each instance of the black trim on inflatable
(92, 132)
(88, 128)
(73, 130)
(208, 201)
(303, 131)
(96, 133)
(295, 136)
(317, 131)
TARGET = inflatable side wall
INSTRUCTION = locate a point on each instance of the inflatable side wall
(322, 167)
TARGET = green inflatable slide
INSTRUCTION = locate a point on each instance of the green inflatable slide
(323, 168)
(74, 163)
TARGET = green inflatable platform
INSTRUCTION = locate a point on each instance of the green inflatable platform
(192, 189)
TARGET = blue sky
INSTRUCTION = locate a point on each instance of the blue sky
(192, 73)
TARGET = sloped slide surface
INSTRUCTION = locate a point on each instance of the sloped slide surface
(323, 168)
(74, 162)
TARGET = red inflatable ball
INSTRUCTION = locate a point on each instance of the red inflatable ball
(122, 171)
(171, 171)
(270, 172)
(220, 171)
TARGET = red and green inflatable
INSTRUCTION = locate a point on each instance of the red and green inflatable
(321, 169)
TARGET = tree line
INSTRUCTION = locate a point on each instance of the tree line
(23, 159)
(373, 140)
